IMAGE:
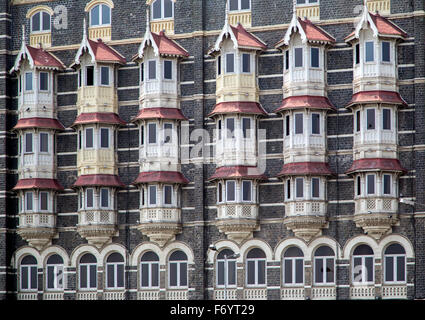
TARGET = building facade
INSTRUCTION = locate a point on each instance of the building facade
(214, 149)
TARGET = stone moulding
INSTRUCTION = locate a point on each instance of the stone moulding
(306, 227)
(376, 224)
(237, 230)
(38, 237)
(98, 235)
(160, 232)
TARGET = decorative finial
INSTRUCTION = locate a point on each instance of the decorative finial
(23, 34)
(294, 7)
(227, 12)
(84, 29)
(148, 24)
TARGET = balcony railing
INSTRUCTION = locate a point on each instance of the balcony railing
(382, 6)
(168, 151)
(243, 17)
(148, 215)
(92, 295)
(148, 295)
(96, 217)
(255, 294)
(27, 296)
(53, 296)
(37, 220)
(362, 292)
(312, 12)
(305, 208)
(375, 205)
(97, 99)
(228, 294)
(235, 211)
(113, 295)
(394, 292)
(103, 33)
(177, 295)
(323, 293)
(44, 38)
(292, 294)
(163, 25)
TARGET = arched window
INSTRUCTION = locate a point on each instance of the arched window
(29, 274)
(363, 265)
(256, 267)
(226, 268)
(293, 266)
(115, 271)
(100, 15)
(149, 270)
(54, 272)
(324, 265)
(88, 272)
(40, 22)
(162, 9)
(177, 270)
(395, 264)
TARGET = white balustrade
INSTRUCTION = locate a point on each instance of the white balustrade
(375, 205)
(160, 215)
(305, 208)
(113, 295)
(37, 220)
(148, 295)
(362, 292)
(89, 295)
(90, 217)
(53, 295)
(323, 293)
(394, 292)
(255, 294)
(237, 211)
(222, 294)
(292, 294)
(177, 295)
(27, 296)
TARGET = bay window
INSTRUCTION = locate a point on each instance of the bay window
(386, 179)
(315, 183)
(40, 22)
(314, 58)
(168, 194)
(89, 138)
(152, 70)
(246, 190)
(298, 123)
(44, 200)
(246, 63)
(152, 133)
(230, 191)
(29, 198)
(168, 69)
(104, 76)
(28, 81)
(299, 185)
(370, 115)
(104, 198)
(44, 142)
(386, 51)
(44, 81)
(315, 123)
(230, 62)
(298, 57)
(89, 198)
(386, 119)
(152, 195)
(370, 178)
(369, 51)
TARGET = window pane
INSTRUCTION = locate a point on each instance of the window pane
(251, 272)
(359, 186)
(220, 192)
(230, 62)
(50, 277)
(173, 274)
(46, 21)
(315, 123)
(288, 189)
(358, 121)
(219, 65)
(261, 272)
(231, 273)
(83, 276)
(28, 142)
(104, 196)
(330, 272)
(246, 190)
(156, 12)
(89, 196)
(104, 78)
(244, 4)
(168, 9)
(369, 51)
(120, 275)
(110, 272)
(183, 274)
(386, 51)
(370, 184)
(152, 194)
(246, 62)
(298, 123)
(370, 119)
(106, 14)
(230, 188)
(29, 200)
(246, 127)
(167, 194)
(220, 273)
(299, 271)
(298, 57)
(230, 123)
(288, 128)
(168, 69)
(152, 70)
(233, 4)
(90, 76)
(314, 57)
(315, 187)
(44, 200)
(93, 276)
(389, 269)
(168, 132)
(94, 19)
(104, 138)
(386, 117)
(33, 277)
(24, 277)
(301, 1)
(59, 276)
(152, 133)
(318, 270)
(369, 268)
(286, 59)
(357, 54)
(36, 21)
(387, 184)
(44, 81)
(28, 81)
(89, 138)
(401, 265)
(44, 142)
(155, 274)
(288, 271)
(145, 274)
(300, 186)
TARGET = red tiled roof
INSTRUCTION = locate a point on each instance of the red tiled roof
(238, 172)
(246, 39)
(376, 164)
(105, 53)
(313, 32)
(99, 117)
(305, 168)
(168, 46)
(376, 97)
(161, 176)
(37, 183)
(310, 102)
(36, 122)
(237, 107)
(43, 58)
(106, 180)
(386, 27)
(160, 113)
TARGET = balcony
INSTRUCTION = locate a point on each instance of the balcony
(155, 87)
(242, 17)
(27, 296)
(238, 220)
(37, 228)
(176, 295)
(97, 99)
(236, 87)
(88, 295)
(323, 293)
(160, 224)
(97, 226)
(44, 38)
(362, 292)
(255, 294)
(374, 76)
(382, 6)
(166, 25)
(305, 208)
(312, 12)
(292, 293)
(394, 292)
(229, 294)
(53, 296)
(113, 295)
(148, 295)
(103, 33)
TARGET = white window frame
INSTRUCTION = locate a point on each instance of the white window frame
(374, 185)
(88, 266)
(101, 24)
(395, 268)
(163, 74)
(28, 271)
(86, 199)
(85, 138)
(25, 143)
(101, 198)
(32, 201)
(234, 63)
(156, 133)
(256, 270)
(163, 195)
(56, 285)
(39, 142)
(295, 123)
(373, 51)
(226, 274)
(308, 3)
(26, 82)
(100, 76)
(115, 265)
(382, 52)
(295, 195)
(312, 195)
(162, 11)
(251, 190)
(235, 193)
(250, 63)
(100, 138)
(48, 81)
(239, 7)
(295, 58)
(165, 132)
(320, 125)
(383, 184)
(391, 118)
(41, 22)
(363, 260)
(324, 264)
(366, 116)
(47, 201)
(293, 261)
(149, 266)
(149, 196)
(311, 57)
(178, 263)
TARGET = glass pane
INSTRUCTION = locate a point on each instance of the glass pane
(89, 138)
(104, 78)
(386, 51)
(288, 128)
(395, 248)
(233, 4)
(120, 275)
(219, 65)
(300, 186)
(244, 4)
(55, 259)
(231, 273)
(315, 187)
(288, 271)
(59, 276)
(104, 138)
(178, 256)
(46, 21)
(246, 127)
(106, 14)
(156, 12)
(168, 132)
(389, 269)
(33, 277)
(89, 76)
(298, 57)
(256, 253)
(386, 115)
(155, 274)
(44, 142)
(370, 184)
(104, 198)
(358, 121)
(314, 57)
(301, 1)
(152, 133)
(401, 266)
(28, 81)
(363, 249)
(315, 123)
(369, 268)
(145, 274)
(230, 62)
(251, 272)
(387, 184)
(93, 276)
(24, 277)
(370, 119)
(359, 186)
(230, 188)
(167, 194)
(286, 59)
(298, 123)
(83, 276)
(43, 200)
(89, 196)
(94, 19)
(36, 21)
(246, 189)
(173, 274)
(44, 81)
(246, 63)
(152, 194)
(369, 51)
(293, 252)
(324, 251)
(261, 272)
(288, 189)
(168, 69)
(318, 270)
(357, 54)
(330, 272)
(168, 9)
(299, 271)
(220, 273)
(29, 200)
(110, 271)
(230, 123)
(152, 70)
